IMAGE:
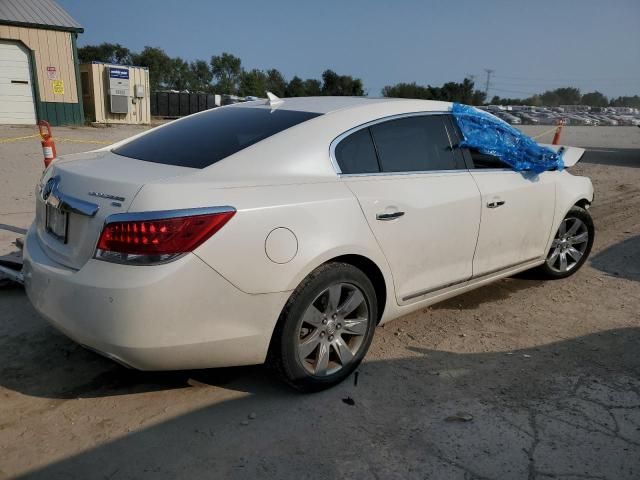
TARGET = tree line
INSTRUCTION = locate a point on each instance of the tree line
(464, 92)
(225, 74)
(570, 96)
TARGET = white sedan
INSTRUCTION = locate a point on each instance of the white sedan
(285, 231)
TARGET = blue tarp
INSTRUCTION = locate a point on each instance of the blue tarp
(492, 136)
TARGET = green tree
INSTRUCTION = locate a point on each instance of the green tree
(551, 98)
(330, 83)
(105, 52)
(159, 64)
(569, 95)
(201, 76)
(295, 87)
(407, 90)
(626, 101)
(594, 99)
(450, 92)
(253, 82)
(226, 69)
(334, 84)
(312, 87)
(276, 83)
(179, 76)
(561, 96)
(478, 98)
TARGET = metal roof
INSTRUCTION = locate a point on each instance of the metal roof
(45, 14)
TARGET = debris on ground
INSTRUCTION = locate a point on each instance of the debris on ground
(459, 417)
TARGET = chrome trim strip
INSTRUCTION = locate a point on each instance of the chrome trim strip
(440, 287)
(104, 256)
(339, 138)
(473, 277)
(70, 204)
(492, 170)
(51, 195)
(164, 214)
(421, 172)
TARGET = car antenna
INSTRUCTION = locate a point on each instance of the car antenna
(273, 99)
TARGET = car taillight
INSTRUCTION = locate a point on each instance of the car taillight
(144, 240)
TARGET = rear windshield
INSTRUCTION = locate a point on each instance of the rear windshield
(202, 140)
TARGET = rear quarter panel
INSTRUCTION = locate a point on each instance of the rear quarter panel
(325, 218)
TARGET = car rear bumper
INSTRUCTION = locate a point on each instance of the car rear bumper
(179, 315)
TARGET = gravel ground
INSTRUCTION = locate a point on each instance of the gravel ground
(521, 379)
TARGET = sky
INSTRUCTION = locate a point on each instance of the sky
(531, 45)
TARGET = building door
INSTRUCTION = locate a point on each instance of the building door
(16, 91)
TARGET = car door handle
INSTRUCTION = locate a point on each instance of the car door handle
(389, 216)
(495, 204)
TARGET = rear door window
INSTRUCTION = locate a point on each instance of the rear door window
(415, 144)
(356, 153)
(201, 140)
(474, 158)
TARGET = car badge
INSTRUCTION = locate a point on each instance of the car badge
(49, 187)
(107, 196)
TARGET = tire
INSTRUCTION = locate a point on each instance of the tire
(565, 245)
(325, 329)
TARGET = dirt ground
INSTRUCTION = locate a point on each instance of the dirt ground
(521, 379)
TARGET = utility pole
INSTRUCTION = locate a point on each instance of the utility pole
(486, 87)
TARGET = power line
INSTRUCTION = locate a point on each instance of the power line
(486, 87)
(570, 79)
(514, 91)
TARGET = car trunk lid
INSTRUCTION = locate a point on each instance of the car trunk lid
(570, 155)
(91, 186)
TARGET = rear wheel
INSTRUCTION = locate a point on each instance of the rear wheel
(326, 328)
(571, 245)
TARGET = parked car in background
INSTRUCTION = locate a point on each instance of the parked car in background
(526, 118)
(285, 231)
(604, 120)
(572, 115)
(507, 117)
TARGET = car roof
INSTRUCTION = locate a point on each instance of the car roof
(302, 153)
(328, 104)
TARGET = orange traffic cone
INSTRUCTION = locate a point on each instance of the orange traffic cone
(48, 145)
(556, 136)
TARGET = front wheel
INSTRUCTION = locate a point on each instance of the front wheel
(325, 329)
(571, 245)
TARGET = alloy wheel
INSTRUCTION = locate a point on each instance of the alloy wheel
(568, 246)
(333, 329)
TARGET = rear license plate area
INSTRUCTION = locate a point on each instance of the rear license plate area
(57, 223)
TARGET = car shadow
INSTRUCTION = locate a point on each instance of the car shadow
(37, 360)
(553, 410)
(620, 260)
(11, 228)
(500, 290)
(76, 372)
(619, 157)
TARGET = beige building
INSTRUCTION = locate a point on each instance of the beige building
(39, 78)
(115, 93)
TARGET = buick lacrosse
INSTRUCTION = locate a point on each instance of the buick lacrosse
(284, 231)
